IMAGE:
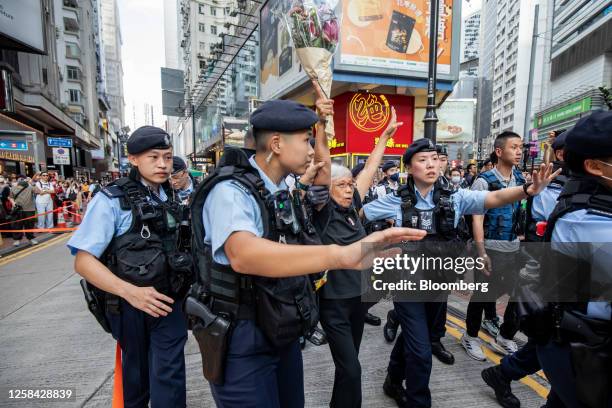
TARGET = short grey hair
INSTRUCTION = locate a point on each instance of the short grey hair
(339, 171)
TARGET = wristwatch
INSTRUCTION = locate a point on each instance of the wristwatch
(525, 187)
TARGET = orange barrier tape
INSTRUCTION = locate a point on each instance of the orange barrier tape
(41, 230)
(118, 384)
(37, 215)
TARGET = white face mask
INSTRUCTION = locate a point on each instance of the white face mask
(456, 179)
(607, 164)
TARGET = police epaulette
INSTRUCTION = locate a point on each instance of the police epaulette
(113, 191)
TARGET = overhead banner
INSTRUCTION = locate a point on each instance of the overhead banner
(455, 121)
(394, 34)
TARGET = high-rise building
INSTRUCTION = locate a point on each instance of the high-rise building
(578, 61)
(113, 66)
(516, 78)
(470, 37)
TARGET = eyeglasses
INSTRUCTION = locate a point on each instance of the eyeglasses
(344, 186)
(44, 175)
(178, 174)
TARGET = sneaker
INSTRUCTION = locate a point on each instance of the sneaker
(501, 385)
(16, 243)
(508, 346)
(491, 326)
(33, 242)
(472, 347)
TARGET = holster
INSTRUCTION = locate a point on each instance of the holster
(213, 342)
(96, 304)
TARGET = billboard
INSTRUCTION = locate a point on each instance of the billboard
(279, 66)
(455, 121)
(21, 25)
(361, 117)
(393, 34)
(386, 37)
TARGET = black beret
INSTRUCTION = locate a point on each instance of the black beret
(559, 142)
(178, 164)
(357, 169)
(441, 149)
(388, 164)
(421, 145)
(146, 138)
(591, 137)
(283, 116)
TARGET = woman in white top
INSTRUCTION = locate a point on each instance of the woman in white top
(44, 203)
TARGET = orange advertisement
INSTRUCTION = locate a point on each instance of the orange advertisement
(394, 34)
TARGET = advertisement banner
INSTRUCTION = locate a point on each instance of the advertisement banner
(455, 121)
(21, 22)
(61, 155)
(279, 65)
(362, 117)
(394, 34)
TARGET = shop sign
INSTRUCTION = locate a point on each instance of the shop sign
(567, 111)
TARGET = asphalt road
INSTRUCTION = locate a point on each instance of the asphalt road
(49, 340)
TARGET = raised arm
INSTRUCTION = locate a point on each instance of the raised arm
(325, 108)
(364, 180)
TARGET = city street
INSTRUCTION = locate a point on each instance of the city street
(49, 339)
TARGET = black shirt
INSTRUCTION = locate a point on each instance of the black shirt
(341, 226)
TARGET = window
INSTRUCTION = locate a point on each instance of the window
(201, 9)
(227, 11)
(75, 95)
(213, 11)
(73, 72)
(72, 50)
(45, 78)
(201, 27)
(213, 29)
(202, 46)
(202, 64)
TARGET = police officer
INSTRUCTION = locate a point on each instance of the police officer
(122, 247)
(411, 356)
(390, 181)
(524, 362)
(241, 239)
(181, 180)
(580, 227)
(443, 155)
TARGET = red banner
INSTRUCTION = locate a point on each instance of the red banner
(360, 118)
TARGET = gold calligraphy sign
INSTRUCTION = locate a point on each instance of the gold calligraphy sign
(369, 112)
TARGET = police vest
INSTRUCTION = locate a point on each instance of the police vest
(439, 222)
(146, 254)
(284, 308)
(501, 223)
(530, 223)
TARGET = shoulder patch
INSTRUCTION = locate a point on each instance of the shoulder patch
(112, 191)
(240, 186)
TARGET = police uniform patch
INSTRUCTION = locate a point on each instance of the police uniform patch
(240, 186)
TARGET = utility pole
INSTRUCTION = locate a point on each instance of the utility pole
(431, 119)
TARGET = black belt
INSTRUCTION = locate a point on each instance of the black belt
(238, 311)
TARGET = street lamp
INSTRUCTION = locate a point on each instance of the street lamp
(431, 119)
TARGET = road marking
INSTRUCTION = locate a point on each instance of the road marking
(541, 390)
(36, 248)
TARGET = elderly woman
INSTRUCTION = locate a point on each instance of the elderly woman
(341, 309)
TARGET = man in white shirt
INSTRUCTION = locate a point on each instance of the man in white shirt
(44, 203)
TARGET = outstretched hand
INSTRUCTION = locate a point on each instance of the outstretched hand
(393, 124)
(542, 178)
(311, 173)
(325, 106)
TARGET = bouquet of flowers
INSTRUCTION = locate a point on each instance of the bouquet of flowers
(315, 30)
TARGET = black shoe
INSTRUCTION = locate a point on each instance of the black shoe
(501, 385)
(396, 391)
(372, 320)
(390, 329)
(442, 354)
(317, 337)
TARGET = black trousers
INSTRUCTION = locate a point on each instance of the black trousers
(27, 224)
(506, 266)
(342, 321)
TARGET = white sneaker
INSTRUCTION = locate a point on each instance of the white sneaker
(491, 327)
(33, 242)
(16, 243)
(508, 346)
(472, 347)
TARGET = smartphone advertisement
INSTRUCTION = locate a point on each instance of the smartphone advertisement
(394, 34)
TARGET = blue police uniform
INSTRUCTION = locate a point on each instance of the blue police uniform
(411, 358)
(591, 137)
(152, 348)
(256, 373)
